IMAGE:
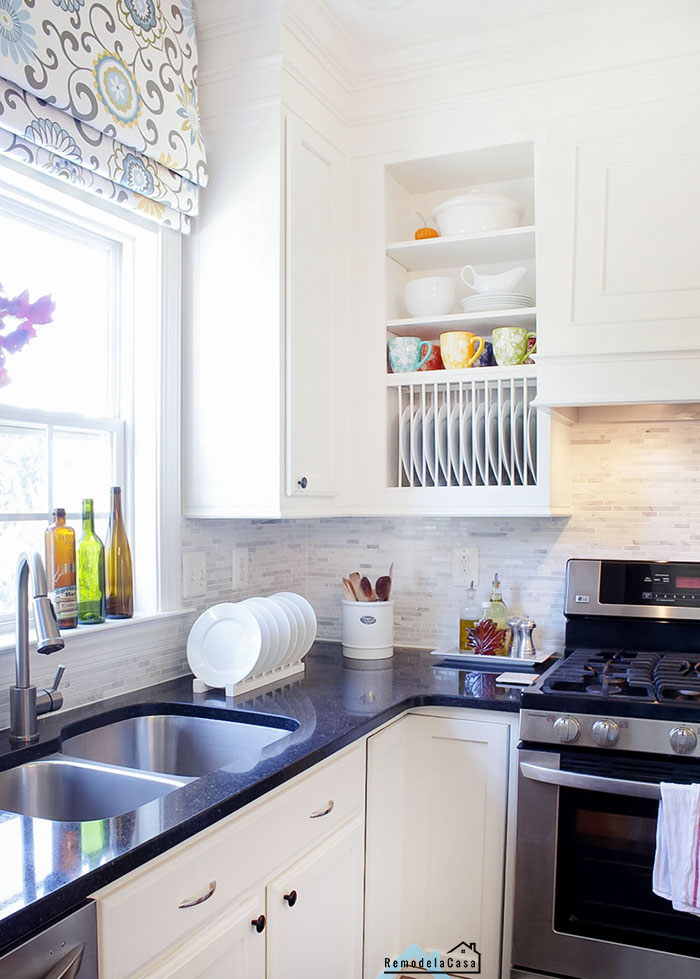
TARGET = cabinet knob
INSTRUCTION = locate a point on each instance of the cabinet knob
(303, 482)
(291, 898)
(259, 923)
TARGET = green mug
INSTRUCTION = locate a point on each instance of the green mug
(510, 345)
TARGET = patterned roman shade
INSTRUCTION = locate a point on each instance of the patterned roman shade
(103, 94)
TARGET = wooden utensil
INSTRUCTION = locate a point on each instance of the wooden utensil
(383, 588)
(347, 591)
(367, 591)
(355, 580)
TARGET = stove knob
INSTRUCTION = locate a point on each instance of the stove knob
(683, 740)
(567, 729)
(606, 732)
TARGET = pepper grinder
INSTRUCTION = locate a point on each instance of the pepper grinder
(513, 635)
(526, 646)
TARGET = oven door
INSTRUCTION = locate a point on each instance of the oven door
(586, 838)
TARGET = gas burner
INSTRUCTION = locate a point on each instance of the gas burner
(604, 673)
(677, 678)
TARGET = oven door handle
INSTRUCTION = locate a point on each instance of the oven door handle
(592, 783)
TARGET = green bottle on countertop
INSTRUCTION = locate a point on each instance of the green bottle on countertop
(91, 571)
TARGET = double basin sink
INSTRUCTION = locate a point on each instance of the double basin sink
(120, 765)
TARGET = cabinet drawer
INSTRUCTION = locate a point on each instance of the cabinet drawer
(153, 908)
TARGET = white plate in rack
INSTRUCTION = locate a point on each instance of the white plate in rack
(260, 608)
(454, 426)
(285, 631)
(224, 644)
(417, 448)
(506, 441)
(429, 442)
(519, 451)
(479, 436)
(308, 614)
(532, 441)
(405, 440)
(297, 626)
(467, 438)
(443, 454)
(494, 452)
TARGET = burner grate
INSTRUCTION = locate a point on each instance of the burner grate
(606, 673)
(677, 678)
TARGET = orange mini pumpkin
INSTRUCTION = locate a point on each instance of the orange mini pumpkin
(426, 233)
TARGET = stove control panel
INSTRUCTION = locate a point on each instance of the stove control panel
(638, 589)
(642, 734)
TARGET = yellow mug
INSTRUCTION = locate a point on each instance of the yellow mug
(460, 349)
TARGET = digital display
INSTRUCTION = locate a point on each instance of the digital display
(692, 583)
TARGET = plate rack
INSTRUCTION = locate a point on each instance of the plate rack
(463, 428)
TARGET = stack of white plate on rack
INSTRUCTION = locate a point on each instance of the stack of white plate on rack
(490, 302)
(256, 638)
(461, 444)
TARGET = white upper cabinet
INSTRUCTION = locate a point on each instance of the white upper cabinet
(618, 240)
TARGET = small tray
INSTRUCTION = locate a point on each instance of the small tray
(474, 659)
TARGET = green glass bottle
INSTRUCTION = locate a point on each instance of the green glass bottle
(120, 578)
(91, 571)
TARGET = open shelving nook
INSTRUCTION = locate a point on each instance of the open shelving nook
(467, 440)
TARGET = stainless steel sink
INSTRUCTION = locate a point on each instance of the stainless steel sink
(73, 791)
(176, 744)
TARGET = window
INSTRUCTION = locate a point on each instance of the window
(91, 397)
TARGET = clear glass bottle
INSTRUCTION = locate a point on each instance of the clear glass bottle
(498, 613)
(469, 615)
(91, 571)
(59, 548)
(120, 580)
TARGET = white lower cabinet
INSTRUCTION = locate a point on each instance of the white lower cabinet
(315, 911)
(437, 792)
(228, 948)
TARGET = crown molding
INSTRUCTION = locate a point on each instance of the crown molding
(219, 18)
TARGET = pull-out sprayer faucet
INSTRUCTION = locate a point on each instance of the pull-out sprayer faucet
(25, 703)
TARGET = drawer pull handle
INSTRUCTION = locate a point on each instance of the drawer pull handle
(193, 901)
(291, 898)
(259, 923)
(323, 812)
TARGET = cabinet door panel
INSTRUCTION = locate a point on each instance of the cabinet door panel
(445, 877)
(313, 235)
(228, 948)
(320, 933)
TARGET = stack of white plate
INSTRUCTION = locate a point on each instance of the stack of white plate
(235, 640)
(490, 302)
(467, 445)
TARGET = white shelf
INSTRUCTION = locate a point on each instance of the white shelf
(430, 329)
(511, 245)
(467, 374)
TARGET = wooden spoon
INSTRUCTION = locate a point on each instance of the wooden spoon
(383, 588)
(367, 591)
(355, 583)
(347, 591)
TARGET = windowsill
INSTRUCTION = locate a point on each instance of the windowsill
(114, 629)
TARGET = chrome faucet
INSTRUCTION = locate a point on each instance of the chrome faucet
(25, 703)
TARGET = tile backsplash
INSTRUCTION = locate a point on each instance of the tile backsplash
(635, 493)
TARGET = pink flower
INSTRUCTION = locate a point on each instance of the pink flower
(40, 311)
(18, 338)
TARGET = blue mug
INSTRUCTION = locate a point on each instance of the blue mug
(487, 358)
(405, 353)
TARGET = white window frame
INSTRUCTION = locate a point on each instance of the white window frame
(151, 424)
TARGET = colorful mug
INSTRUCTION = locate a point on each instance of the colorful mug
(486, 359)
(510, 345)
(458, 349)
(406, 353)
(434, 361)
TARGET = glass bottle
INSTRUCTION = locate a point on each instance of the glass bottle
(91, 571)
(468, 617)
(120, 580)
(498, 612)
(59, 548)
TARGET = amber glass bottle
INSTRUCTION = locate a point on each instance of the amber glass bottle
(91, 571)
(59, 547)
(120, 578)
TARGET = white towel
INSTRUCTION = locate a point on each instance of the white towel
(677, 861)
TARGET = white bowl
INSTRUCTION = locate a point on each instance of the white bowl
(477, 211)
(433, 295)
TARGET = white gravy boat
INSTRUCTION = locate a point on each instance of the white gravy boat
(498, 283)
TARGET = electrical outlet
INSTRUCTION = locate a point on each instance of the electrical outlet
(194, 574)
(240, 568)
(465, 566)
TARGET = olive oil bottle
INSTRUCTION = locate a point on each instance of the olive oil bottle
(59, 547)
(468, 617)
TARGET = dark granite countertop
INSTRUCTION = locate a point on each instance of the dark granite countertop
(49, 867)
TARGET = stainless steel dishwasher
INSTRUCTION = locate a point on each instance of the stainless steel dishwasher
(66, 949)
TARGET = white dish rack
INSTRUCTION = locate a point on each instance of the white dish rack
(475, 427)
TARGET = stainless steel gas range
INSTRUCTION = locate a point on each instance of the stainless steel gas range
(600, 731)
